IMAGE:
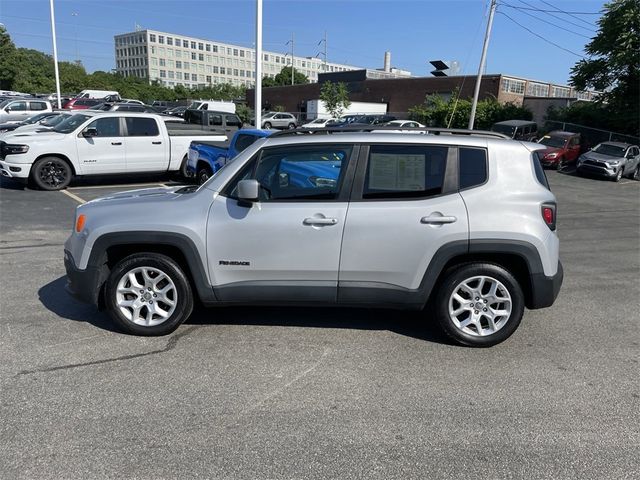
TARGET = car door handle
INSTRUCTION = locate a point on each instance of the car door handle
(320, 221)
(156, 143)
(437, 219)
(116, 143)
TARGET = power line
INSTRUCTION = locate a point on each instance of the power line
(566, 13)
(590, 30)
(541, 37)
(545, 21)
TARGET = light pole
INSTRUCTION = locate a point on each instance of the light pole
(483, 58)
(55, 52)
(258, 92)
(293, 58)
(75, 31)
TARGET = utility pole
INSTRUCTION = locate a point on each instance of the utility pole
(293, 59)
(55, 52)
(324, 54)
(483, 58)
(258, 84)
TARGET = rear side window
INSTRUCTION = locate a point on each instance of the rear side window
(244, 141)
(233, 121)
(37, 106)
(215, 120)
(539, 171)
(397, 171)
(472, 167)
(141, 127)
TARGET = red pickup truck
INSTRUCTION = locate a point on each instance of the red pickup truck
(562, 148)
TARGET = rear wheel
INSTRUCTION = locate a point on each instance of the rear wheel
(267, 125)
(51, 173)
(479, 304)
(148, 294)
(183, 168)
(292, 126)
(636, 173)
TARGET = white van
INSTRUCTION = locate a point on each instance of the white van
(216, 105)
(96, 94)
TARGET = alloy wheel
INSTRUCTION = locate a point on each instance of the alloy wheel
(53, 173)
(146, 296)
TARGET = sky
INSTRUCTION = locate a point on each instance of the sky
(358, 31)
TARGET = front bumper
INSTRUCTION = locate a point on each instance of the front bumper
(544, 290)
(84, 285)
(18, 171)
(598, 169)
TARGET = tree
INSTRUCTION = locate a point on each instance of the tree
(614, 66)
(284, 78)
(8, 62)
(335, 97)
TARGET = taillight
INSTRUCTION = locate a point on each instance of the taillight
(549, 215)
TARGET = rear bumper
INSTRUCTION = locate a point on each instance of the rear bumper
(544, 290)
(84, 285)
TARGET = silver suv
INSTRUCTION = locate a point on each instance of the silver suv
(460, 227)
(278, 120)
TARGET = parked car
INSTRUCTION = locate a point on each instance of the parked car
(206, 158)
(44, 126)
(470, 250)
(562, 148)
(223, 122)
(613, 160)
(362, 120)
(124, 107)
(517, 129)
(97, 94)
(19, 109)
(320, 123)
(343, 120)
(216, 105)
(404, 124)
(97, 143)
(82, 103)
(34, 119)
(278, 120)
(175, 111)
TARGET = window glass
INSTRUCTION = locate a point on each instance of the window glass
(141, 127)
(396, 171)
(37, 106)
(244, 141)
(303, 173)
(472, 166)
(539, 171)
(215, 120)
(233, 121)
(106, 127)
(18, 106)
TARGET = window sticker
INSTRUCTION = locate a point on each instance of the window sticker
(397, 172)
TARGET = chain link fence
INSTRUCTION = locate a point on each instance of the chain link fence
(591, 136)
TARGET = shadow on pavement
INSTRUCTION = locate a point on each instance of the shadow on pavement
(409, 323)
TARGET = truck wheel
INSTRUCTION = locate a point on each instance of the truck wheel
(267, 125)
(204, 174)
(51, 173)
(292, 126)
(183, 168)
(148, 294)
(479, 304)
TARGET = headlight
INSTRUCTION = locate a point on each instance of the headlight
(613, 163)
(551, 155)
(10, 149)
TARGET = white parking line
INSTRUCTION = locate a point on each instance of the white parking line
(92, 187)
(75, 197)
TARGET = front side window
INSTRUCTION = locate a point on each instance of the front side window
(106, 127)
(17, 106)
(397, 171)
(472, 167)
(141, 127)
(215, 120)
(233, 121)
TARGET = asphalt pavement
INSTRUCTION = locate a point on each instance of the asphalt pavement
(313, 393)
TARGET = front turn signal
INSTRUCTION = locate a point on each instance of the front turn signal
(80, 222)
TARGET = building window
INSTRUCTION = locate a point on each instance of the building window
(235, 52)
(171, 63)
(201, 57)
(208, 78)
(178, 64)
(169, 52)
(161, 51)
(193, 45)
(537, 89)
(186, 66)
(178, 53)
(214, 48)
(200, 46)
(185, 43)
(179, 75)
(160, 38)
(169, 41)
(223, 71)
(194, 77)
(216, 70)
(193, 55)
(152, 38)
(162, 62)
(235, 72)
(163, 73)
(228, 51)
(560, 92)
(171, 74)
(509, 85)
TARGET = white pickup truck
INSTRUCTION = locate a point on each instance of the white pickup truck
(98, 143)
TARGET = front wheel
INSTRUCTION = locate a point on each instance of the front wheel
(619, 174)
(148, 294)
(51, 173)
(479, 304)
(204, 174)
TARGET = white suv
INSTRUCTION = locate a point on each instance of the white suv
(461, 227)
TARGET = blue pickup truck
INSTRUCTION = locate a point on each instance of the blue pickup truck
(206, 158)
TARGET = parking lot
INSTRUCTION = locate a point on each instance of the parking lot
(321, 393)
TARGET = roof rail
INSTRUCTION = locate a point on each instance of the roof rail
(389, 128)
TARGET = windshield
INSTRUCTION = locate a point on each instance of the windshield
(610, 150)
(5, 103)
(36, 118)
(557, 142)
(320, 120)
(506, 129)
(71, 123)
(54, 120)
(269, 115)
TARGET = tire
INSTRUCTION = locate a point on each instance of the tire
(291, 126)
(204, 173)
(121, 295)
(51, 173)
(267, 125)
(619, 175)
(183, 169)
(636, 173)
(472, 327)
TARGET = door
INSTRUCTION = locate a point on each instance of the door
(232, 124)
(286, 246)
(146, 149)
(104, 152)
(403, 209)
(37, 107)
(573, 149)
(16, 111)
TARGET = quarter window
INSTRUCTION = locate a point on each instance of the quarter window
(141, 127)
(472, 167)
(395, 171)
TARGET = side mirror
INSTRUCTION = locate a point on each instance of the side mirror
(8, 109)
(90, 132)
(248, 190)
